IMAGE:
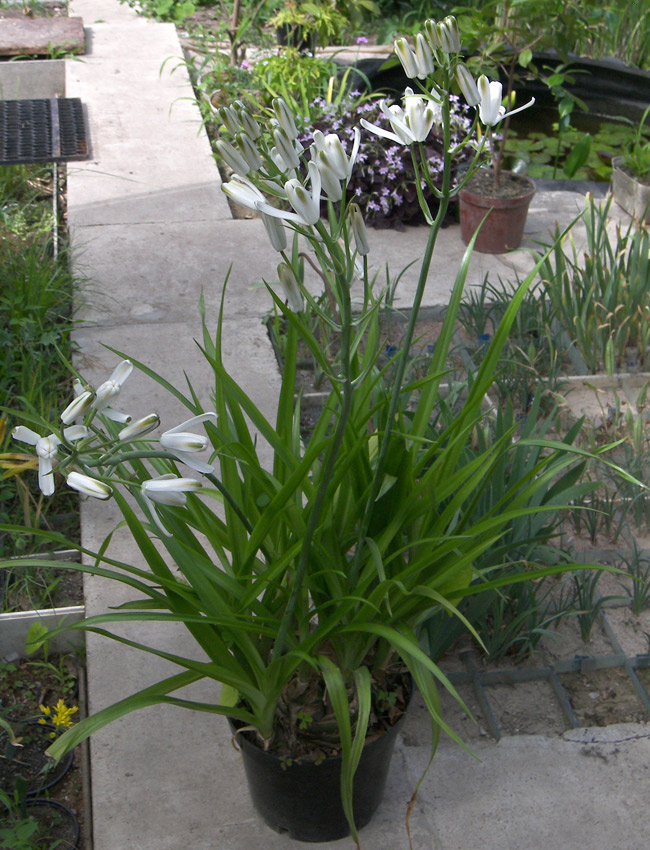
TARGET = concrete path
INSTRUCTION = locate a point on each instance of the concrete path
(151, 232)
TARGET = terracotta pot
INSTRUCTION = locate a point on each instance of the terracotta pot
(503, 228)
(303, 799)
(629, 193)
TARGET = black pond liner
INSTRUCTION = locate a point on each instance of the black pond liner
(30, 761)
(609, 87)
(303, 799)
(60, 822)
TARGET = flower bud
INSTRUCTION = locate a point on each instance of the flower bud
(169, 489)
(407, 58)
(285, 118)
(452, 36)
(232, 157)
(246, 120)
(333, 154)
(286, 148)
(183, 441)
(359, 230)
(467, 85)
(423, 56)
(77, 408)
(430, 28)
(249, 151)
(290, 287)
(140, 427)
(88, 486)
(275, 231)
(330, 180)
(230, 119)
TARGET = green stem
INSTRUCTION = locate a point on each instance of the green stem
(134, 455)
(326, 473)
(406, 345)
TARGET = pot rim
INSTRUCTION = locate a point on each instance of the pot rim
(487, 201)
(617, 165)
(494, 202)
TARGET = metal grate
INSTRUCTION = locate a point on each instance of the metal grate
(47, 130)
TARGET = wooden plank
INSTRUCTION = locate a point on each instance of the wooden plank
(41, 36)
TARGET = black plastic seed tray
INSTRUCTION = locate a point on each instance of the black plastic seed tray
(44, 130)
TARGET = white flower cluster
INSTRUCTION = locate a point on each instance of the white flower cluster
(80, 431)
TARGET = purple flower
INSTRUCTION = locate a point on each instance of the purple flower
(362, 40)
(245, 65)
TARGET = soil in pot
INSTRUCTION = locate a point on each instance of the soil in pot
(29, 760)
(47, 824)
(503, 229)
(26, 685)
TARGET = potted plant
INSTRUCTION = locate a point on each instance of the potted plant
(504, 35)
(631, 176)
(304, 567)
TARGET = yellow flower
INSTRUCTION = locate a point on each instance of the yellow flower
(61, 717)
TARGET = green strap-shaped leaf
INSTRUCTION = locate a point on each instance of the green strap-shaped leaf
(154, 695)
(350, 749)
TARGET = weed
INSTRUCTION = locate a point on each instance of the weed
(638, 568)
(588, 603)
(600, 298)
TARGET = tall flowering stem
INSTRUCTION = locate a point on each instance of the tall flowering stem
(434, 229)
(333, 450)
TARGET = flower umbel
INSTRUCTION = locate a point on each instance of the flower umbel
(59, 715)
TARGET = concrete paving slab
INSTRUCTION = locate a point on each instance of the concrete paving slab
(30, 80)
(41, 36)
(170, 349)
(533, 792)
(146, 116)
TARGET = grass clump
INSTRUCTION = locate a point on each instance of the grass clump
(36, 319)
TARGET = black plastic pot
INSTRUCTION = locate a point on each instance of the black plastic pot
(30, 761)
(59, 825)
(303, 799)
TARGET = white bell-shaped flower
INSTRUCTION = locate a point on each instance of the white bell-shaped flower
(46, 449)
(184, 444)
